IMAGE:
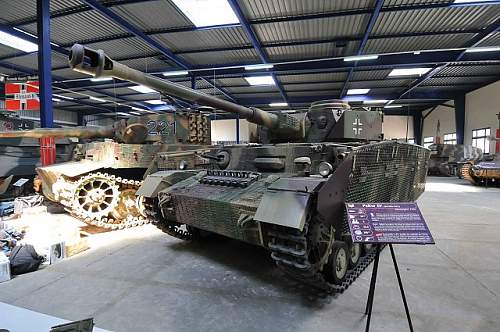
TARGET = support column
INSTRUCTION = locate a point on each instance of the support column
(238, 129)
(47, 144)
(417, 127)
(193, 82)
(460, 118)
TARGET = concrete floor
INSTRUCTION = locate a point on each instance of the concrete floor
(143, 280)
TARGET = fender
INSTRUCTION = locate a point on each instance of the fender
(156, 182)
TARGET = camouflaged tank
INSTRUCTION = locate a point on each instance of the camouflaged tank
(448, 159)
(287, 193)
(485, 172)
(99, 184)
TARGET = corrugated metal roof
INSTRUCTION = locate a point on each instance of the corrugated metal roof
(361, 75)
(470, 70)
(21, 10)
(397, 3)
(255, 9)
(319, 94)
(222, 57)
(7, 51)
(231, 81)
(437, 19)
(79, 27)
(148, 64)
(317, 77)
(493, 40)
(313, 86)
(203, 39)
(335, 27)
(313, 51)
(383, 83)
(436, 81)
(251, 89)
(406, 44)
(125, 47)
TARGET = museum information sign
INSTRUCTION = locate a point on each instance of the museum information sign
(387, 223)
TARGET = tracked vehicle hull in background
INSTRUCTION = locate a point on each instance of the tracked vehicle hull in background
(485, 172)
(448, 159)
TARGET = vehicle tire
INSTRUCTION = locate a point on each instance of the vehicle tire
(338, 263)
(356, 252)
(367, 248)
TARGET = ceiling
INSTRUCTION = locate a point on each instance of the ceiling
(306, 41)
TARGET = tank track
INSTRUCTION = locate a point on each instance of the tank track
(466, 174)
(152, 211)
(289, 253)
(111, 223)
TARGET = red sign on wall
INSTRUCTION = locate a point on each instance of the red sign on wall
(22, 96)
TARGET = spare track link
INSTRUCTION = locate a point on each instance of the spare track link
(112, 224)
(289, 253)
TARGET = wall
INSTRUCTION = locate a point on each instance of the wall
(481, 108)
(225, 130)
(395, 127)
(445, 116)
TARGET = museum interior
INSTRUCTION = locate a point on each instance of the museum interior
(249, 165)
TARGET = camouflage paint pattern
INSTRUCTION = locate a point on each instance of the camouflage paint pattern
(446, 159)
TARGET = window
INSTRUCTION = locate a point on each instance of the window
(411, 140)
(428, 141)
(450, 138)
(481, 139)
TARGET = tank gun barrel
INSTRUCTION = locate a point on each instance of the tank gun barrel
(77, 132)
(98, 64)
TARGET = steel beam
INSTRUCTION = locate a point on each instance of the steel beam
(364, 40)
(44, 64)
(255, 42)
(460, 118)
(418, 124)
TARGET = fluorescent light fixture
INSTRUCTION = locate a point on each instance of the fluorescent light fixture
(101, 79)
(409, 71)
(260, 80)
(140, 109)
(64, 97)
(155, 102)
(98, 99)
(375, 101)
(122, 114)
(357, 91)
(135, 113)
(258, 67)
(176, 73)
(417, 52)
(15, 42)
(56, 100)
(205, 13)
(142, 89)
(472, 1)
(393, 106)
(278, 104)
(361, 57)
(483, 49)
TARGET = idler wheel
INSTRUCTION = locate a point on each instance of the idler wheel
(355, 250)
(337, 266)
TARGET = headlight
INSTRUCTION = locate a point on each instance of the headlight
(325, 169)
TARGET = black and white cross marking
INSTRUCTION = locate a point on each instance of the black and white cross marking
(357, 127)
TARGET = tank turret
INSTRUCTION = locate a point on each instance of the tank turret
(325, 121)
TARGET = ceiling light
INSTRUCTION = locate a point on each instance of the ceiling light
(64, 97)
(393, 106)
(361, 57)
(257, 67)
(176, 73)
(409, 71)
(98, 99)
(155, 102)
(16, 42)
(357, 91)
(56, 100)
(278, 104)
(483, 49)
(417, 52)
(260, 80)
(101, 79)
(122, 114)
(205, 13)
(142, 89)
(135, 113)
(375, 101)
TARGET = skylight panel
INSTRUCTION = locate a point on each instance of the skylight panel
(205, 13)
(18, 43)
(260, 80)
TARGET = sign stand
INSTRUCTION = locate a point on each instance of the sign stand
(387, 224)
(373, 281)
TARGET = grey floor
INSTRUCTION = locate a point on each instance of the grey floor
(142, 280)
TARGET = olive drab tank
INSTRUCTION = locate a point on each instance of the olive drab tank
(286, 193)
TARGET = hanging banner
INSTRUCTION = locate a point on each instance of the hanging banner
(21, 96)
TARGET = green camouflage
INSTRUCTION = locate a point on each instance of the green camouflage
(447, 159)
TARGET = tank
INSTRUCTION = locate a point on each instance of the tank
(99, 184)
(288, 192)
(448, 159)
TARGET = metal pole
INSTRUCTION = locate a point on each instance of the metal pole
(401, 288)
(371, 292)
(44, 63)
